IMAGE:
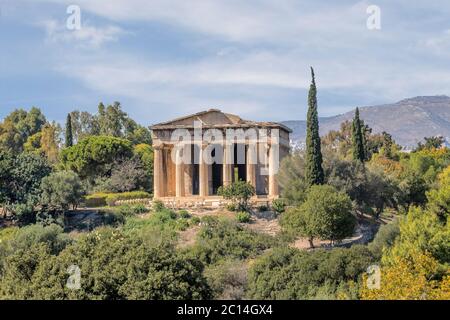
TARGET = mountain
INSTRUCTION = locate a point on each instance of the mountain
(408, 121)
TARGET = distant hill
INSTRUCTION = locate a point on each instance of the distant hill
(408, 121)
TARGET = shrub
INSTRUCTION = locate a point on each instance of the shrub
(195, 220)
(384, 238)
(278, 205)
(101, 199)
(96, 200)
(140, 208)
(128, 210)
(227, 279)
(184, 214)
(93, 156)
(326, 214)
(113, 197)
(222, 238)
(115, 266)
(287, 273)
(239, 192)
(231, 207)
(61, 190)
(243, 217)
(158, 205)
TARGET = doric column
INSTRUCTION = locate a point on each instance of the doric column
(203, 174)
(158, 172)
(179, 173)
(251, 165)
(273, 159)
(227, 166)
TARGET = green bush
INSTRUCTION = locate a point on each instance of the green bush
(287, 273)
(325, 214)
(278, 205)
(158, 205)
(97, 199)
(195, 220)
(114, 266)
(223, 238)
(101, 199)
(184, 214)
(227, 279)
(128, 210)
(384, 238)
(231, 207)
(243, 217)
(113, 197)
(239, 192)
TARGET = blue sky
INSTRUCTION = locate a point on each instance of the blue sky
(166, 58)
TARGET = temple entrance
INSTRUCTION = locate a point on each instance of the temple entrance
(239, 164)
(195, 154)
(216, 174)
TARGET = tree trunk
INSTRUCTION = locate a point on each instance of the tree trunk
(311, 244)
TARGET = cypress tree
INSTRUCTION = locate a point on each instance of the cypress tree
(313, 171)
(357, 138)
(69, 134)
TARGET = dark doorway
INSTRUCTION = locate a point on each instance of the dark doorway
(195, 169)
(216, 171)
(240, 169)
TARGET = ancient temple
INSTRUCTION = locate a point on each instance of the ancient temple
(196, 154)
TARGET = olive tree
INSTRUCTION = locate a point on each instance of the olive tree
(325, 214)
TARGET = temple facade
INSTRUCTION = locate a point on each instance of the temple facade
(196, 154)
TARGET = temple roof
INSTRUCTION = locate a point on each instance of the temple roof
(214, 118)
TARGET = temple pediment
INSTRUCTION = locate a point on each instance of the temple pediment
(214, 118)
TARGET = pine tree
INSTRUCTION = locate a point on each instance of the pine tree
(358, 139)
(313, 171)
(69, 133)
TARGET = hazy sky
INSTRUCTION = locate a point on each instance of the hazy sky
(166, 58)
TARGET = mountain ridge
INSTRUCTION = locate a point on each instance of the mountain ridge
(408, 120)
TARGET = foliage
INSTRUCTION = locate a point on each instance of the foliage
(93, 156)
(423, 231)
(385, 238)
(358, 146)
(100, 199)
(158, 205)
(239, 192)
(20, 183)
(109, 120)
(430, 143)
(69, 132)
(113, 266)
(223, 239)
(243, 217)
(61, 190)
(126, 175)
(145, 153)
(23, 238)
(326, 214)
(227, 279)
(278, 205)
(18, 126)
(286, 273)
(410, 279)
(313, 170)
